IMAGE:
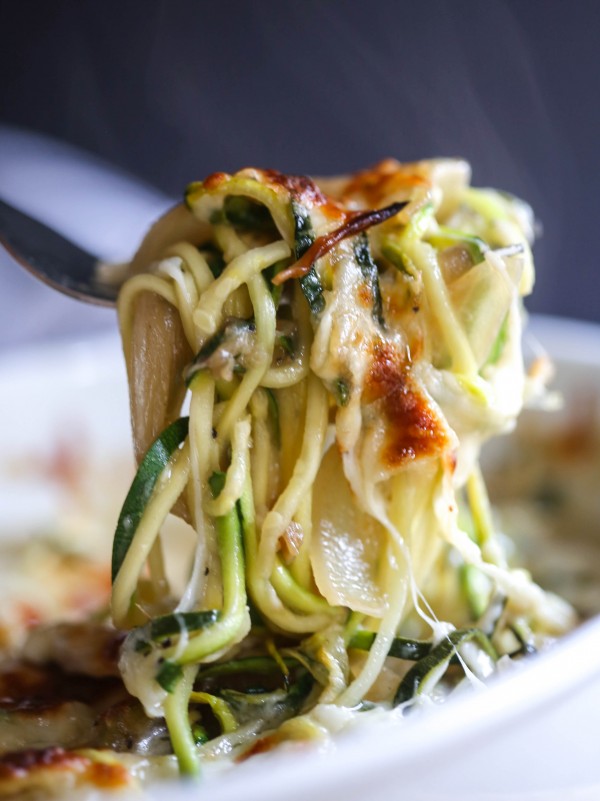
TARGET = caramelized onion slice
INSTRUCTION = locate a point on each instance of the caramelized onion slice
(158, 355)
(347, 544)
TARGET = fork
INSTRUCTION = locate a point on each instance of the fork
(64, 213)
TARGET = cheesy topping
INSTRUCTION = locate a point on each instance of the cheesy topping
(314, 366)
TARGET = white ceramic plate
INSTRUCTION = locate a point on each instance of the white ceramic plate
(533, 734)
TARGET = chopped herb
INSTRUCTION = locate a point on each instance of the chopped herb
(304, 235)
(303, 239)
(168, 675)
(142, 647)
(217, 482)
(342, 392)
(362, 254)
(313, 291)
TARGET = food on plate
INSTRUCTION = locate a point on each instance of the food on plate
(314, 366)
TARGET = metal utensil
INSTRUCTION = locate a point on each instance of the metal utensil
(63, 212)
(53, 259)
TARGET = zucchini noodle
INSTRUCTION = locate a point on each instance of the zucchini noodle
(313, 373)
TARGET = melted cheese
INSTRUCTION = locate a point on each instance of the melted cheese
(403, 363)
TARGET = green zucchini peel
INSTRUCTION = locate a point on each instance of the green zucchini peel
(152, 465)
(401, 647)
(428, 670)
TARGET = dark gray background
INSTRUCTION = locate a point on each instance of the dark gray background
(173, 90)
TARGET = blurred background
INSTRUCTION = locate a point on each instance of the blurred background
(171, 90)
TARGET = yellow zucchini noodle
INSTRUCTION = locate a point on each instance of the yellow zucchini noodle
(314, 366)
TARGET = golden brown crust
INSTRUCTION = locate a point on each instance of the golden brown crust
(388, 178)
(299, 187)
(55, 771)
(414, 430)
